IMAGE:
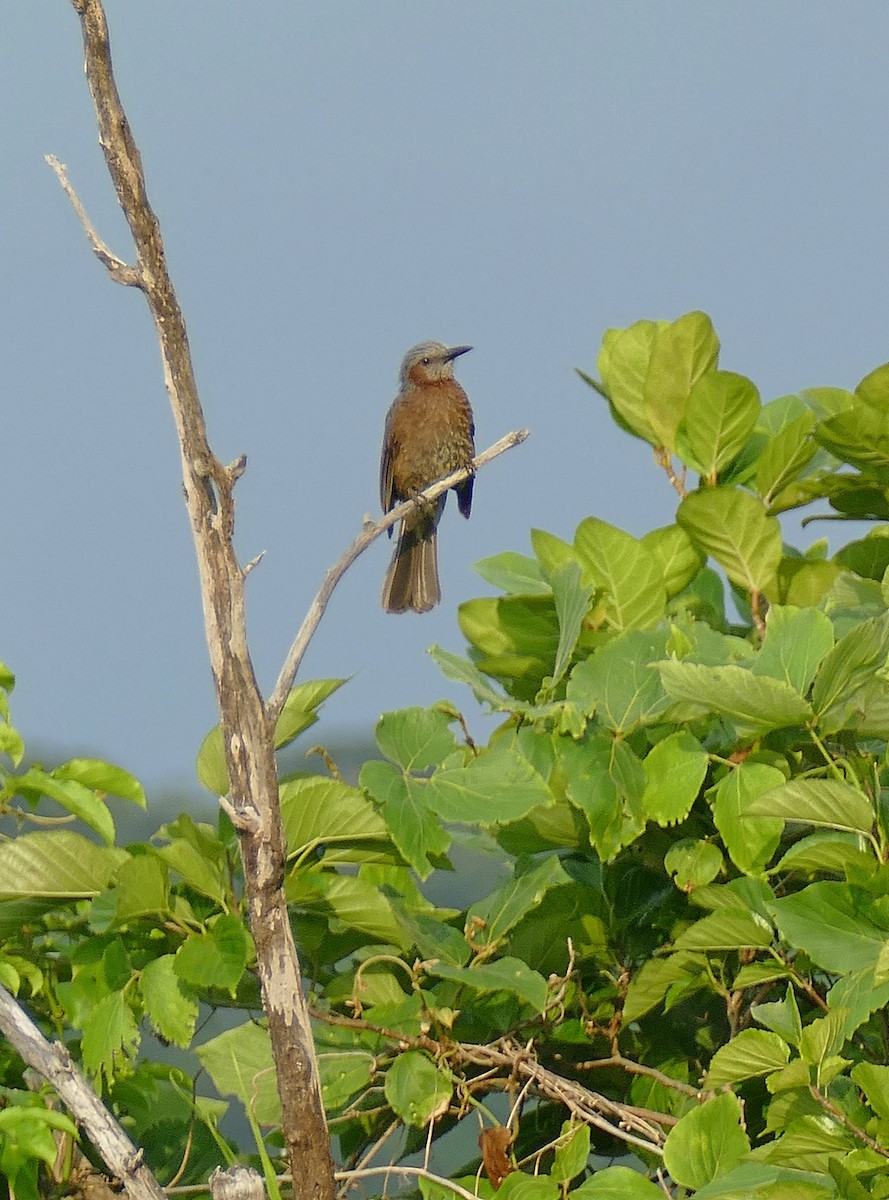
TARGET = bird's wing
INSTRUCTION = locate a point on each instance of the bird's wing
(387, 488)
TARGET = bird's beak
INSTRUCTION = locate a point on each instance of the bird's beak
(456, 351)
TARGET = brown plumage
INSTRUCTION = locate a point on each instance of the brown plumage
(429, 433)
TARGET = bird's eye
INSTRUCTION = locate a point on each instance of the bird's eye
(425, 362)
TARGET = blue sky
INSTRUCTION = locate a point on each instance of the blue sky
(337, 181)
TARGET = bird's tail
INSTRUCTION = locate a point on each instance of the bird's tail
(411, 583)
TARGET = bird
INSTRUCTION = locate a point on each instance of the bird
(429, 434)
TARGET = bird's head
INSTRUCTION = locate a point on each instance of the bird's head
(429, 362)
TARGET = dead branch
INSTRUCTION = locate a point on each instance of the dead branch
(53, 1062)
(626, 1123)
(247, 737)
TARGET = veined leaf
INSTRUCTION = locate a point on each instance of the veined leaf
(682, 354)
(754, 704)
(733, 527)
(750, 1053)
(826, 803)
(708, 1142)
(720, 415)
(627, 572)
(505, 974)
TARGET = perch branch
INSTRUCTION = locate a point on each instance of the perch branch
(369, 534)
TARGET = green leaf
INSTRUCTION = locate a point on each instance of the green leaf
(785, 456)
(754, 704)
(868, 557)
(617, 1183)
(828, 852)
(626, 571)
(412, 823)
(572, 600)
(707, 1143)
(874, 1082)
(489, 920)
(762, 1181)
(720, 416)
(650, 984)
(143, 889)
(726, 929)
(496, 786)
(58, 865)
(619, 684)
(102, 777)
(859, 436)
(415, 738)
(809, 1142)
(73, 796)
(519, 1186)
(692, 863)
(240, 1064)
(874, 388)
(623, 368)
(750, 1053)
(674, 771)
(848, 670)
(601, 791)
(210, 766)
(797, 639)
(824, 921)
(11, 742)
(781, 1016)
(571, 1156)
(826, 803)
(750, 844)
(344, 1074)
(172, 1012)
(516, 638)
(504, 975)
(318, 811)
(196, 867)
(461, 670)
(300, 708)
(805, 583)
(682, 354)
(515, 574)
(110, 1036)
(355, 902)
(416, 1089)
(215, 958)
(733, 527)
(678, 558)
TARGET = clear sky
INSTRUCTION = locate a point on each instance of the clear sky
(337, 181)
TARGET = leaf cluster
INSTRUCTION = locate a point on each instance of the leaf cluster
(639, 940)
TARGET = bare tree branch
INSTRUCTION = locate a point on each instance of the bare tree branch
(54, 1063)
(118, 270)
(635, 1126)
(246, 735)
(368, 535)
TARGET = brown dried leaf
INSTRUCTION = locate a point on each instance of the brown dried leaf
(494, 1144)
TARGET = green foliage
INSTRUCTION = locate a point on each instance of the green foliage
(677, 928)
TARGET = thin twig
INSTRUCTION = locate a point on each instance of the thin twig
(409, 1173)
(839, 1115)
(369, 534)
(620, 1121)
(119, 271)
